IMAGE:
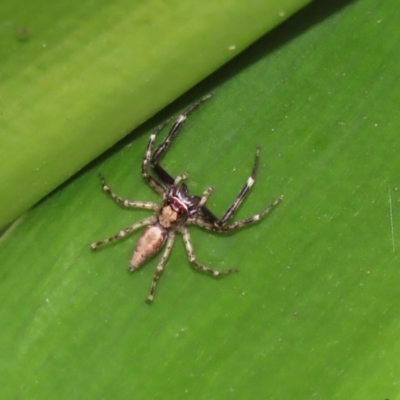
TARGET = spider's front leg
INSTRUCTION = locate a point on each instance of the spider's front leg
(161, 173)
(247, 186)
(209, 221)
(175, 129)
(251, 219)
(157, 186)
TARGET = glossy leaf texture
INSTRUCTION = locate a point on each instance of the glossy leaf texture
(78, 76)
(313, 311)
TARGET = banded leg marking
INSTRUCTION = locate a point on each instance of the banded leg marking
(189, 249)
(124, 202)
(249, 183)
(123, 232)
(210, 226)
(161, 265)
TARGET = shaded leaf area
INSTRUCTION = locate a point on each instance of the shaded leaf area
(312, 312)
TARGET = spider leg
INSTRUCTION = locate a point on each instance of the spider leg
(162, 174)
(249, 183)
(152, 159)
(157, 186)
(189, 249)
(207, 220)
(123, 232)
(212, 227)
(175, 129)
(161, 265)
(127, 203)
(180, 178)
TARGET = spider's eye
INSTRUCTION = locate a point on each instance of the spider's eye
(177, 205)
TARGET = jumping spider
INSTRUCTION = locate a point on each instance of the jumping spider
(177, 209)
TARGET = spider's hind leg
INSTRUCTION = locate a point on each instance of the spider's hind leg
(160, 266)
(124, 232)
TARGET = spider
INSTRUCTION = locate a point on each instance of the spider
(177, 209)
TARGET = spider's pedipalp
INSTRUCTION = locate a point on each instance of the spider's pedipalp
(206, 195)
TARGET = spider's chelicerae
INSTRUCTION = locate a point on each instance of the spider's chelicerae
(177, 209)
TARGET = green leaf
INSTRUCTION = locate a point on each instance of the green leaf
(313, 311)
(78, 76)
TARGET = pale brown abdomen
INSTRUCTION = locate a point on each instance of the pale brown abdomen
(151, 240)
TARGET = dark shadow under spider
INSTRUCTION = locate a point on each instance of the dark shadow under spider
(177, 209)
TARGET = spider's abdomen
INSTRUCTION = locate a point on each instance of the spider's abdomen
(150, 241)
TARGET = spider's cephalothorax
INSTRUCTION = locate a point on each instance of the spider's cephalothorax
(177, 209)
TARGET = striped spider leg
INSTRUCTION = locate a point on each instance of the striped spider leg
(177, 209)
(206, 219)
